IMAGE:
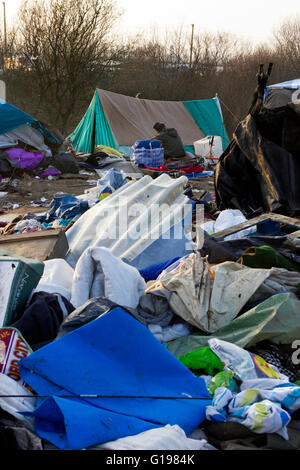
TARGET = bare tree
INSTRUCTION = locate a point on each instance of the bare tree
(68, 45)
(287, 46)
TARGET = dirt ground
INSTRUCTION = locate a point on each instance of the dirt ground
(30, 190)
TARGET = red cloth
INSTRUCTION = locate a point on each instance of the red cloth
(193, 169)
(190, 169)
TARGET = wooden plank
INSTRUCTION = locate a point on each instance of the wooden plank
(295, 234)
(42, 246)
(31, 235)
(243, 226)
(264, 217)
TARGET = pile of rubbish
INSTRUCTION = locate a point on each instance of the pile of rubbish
(150, 316)
(27, 146)
(192, 334)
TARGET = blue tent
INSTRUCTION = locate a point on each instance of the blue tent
(291, 84)
(11, 117)
(285, 86)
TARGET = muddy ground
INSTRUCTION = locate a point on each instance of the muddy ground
(29, 190)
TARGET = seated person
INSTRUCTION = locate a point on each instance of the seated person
(170, 141)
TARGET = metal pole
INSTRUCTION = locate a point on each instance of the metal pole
(192, 43)
(5, 35)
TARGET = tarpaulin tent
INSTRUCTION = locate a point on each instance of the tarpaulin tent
(11, 117)
(281, 93)
(17, 125)
(118, 121)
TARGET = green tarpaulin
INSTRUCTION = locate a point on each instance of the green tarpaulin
(277, 319)
(208, 116)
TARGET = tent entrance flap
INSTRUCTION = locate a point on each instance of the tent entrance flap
(93, 129)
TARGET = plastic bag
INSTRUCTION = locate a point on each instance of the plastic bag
(222, 379)
(245, 365)
(202, 359)
(147, 153)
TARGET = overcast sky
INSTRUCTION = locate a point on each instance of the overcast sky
(252, 19)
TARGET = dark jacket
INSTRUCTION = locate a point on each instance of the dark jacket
(171, 142)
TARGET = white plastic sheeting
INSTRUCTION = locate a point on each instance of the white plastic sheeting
(142, 223)
(99, 273)
(227, 219)
(169, 333)
(26, 134)
(210, 297)
(20, 400)
(165, 438)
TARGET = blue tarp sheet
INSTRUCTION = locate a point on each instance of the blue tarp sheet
(291, 85)
(114, 355)
(12, 117)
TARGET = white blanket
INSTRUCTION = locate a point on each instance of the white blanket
(99, 273)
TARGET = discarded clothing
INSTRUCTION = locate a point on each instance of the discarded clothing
(28, 226)
(41, 320)
(15, 435)
(130, 362)
(186, 170)
(109, 182)
(7, 166)
(155, 310)
(49, 172)
(65, 207)
(152, 272)
(57, 278)
(169, 333)
(167, 438)
(88, 312)
(26, 160)
(99, 273)
(263, 405)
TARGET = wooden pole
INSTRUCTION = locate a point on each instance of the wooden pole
(5, 34)
(192, 44)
